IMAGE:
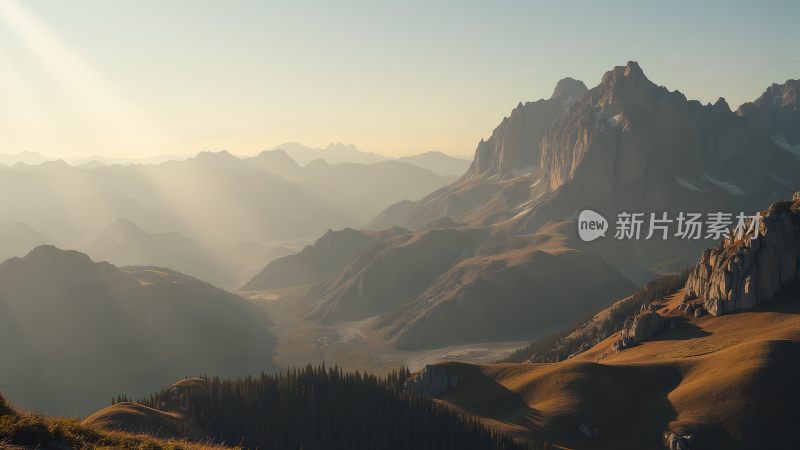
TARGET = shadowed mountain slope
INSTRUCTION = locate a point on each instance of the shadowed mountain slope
(319, 261)
(73, 332)
(17, 239)
(123, 243)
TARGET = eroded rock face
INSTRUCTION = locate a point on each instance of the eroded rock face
(642, 326)
(431, 380)
(639, 327)
(513, 148)
(740, 273)
(777, 111)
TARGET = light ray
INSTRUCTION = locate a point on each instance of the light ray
(117, 120)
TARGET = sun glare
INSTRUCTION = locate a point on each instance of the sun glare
(89, 93)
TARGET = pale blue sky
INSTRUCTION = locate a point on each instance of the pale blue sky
(150, 77)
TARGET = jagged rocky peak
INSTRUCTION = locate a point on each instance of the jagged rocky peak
(623, 98)
(776, 113)
(748, 270)
(612, 140)
(514, 147)
(721, 103)
(626, 85)
(782, 95)
(568, 90)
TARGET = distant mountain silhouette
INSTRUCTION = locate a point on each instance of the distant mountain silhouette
(17, 239)
(438, 162)
(73, 333)
(123, 243)
(333, 153)
(25, 157)
(317, 262)
(215, 198)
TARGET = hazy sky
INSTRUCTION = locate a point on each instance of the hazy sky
(137, 78)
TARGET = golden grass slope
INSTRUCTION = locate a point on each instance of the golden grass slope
(24, 430)
(730, 381)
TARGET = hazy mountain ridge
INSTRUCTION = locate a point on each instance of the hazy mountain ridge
(215, 199)
(124, 243)
(438, 162)
(319, 261)
(74, 332)
(299, 154)
(17, 239)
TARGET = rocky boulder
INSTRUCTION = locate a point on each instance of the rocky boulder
(742, 272)
(431, 380)
(639, 327)
(587, 431)
(675, 441)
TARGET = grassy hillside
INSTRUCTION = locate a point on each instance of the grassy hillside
(74, 332)
(728, 381)
(586, 333)
(23, 430)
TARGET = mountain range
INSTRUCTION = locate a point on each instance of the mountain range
(505, 267)
(437, 162)
(215, 199)
(338, 153)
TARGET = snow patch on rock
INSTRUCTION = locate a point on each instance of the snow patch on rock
(781, 142)
(687, 185)
(730, 188)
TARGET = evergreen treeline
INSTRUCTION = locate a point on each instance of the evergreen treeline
(558, 347)
(326, 409)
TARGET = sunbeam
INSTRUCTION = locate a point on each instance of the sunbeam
(90, 93)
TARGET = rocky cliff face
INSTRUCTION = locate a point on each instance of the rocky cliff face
(631, 145)
(630, 135)
(777, 112)
(513, 148)
(740, 273)
(503, 179)
(431, 380)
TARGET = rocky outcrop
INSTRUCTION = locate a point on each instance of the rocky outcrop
(675, 441)
(743, 272)
(431, 380)
(639, 327)
(587, 431)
